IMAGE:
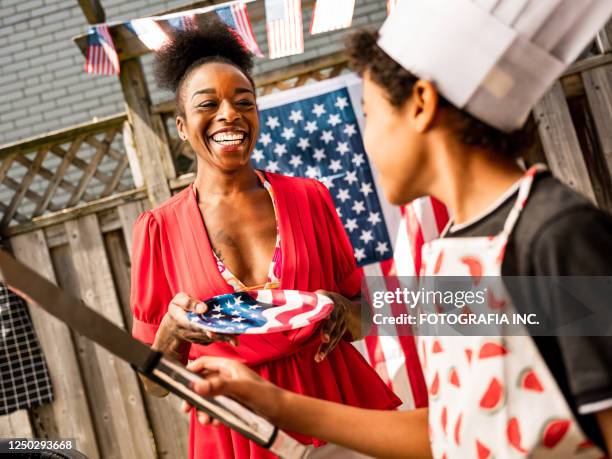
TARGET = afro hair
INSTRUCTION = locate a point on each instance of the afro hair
(211, 41)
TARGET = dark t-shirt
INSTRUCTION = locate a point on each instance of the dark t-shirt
(559, 233)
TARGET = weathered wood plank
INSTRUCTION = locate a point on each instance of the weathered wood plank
(598, 88)
(149, 146)
(88, 173)
(68, 416)
(106, 144)
(182, 181)
(79, 163)
(93, 11)
(83, 209)
(117, 174)
(128, 213)
(124, 408)
(58, 177)
(23, 187)
(158, 125)
(170, 425)
(16, 425)
(130, 152)
(604, 39)
(560, 142)
(60, 136)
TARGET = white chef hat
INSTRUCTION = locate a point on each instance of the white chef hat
(493, 58)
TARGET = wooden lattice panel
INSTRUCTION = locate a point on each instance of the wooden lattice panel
(82, 165)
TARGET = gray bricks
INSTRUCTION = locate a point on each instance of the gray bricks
(42, 83)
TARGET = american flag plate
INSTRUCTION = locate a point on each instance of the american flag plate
(262, 311)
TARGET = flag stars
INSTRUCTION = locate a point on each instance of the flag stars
(296, 161)
(334, 119)
(318, 110)
(359, 254)
(280, 149)
(343, 195)
(351, 177)
(237, 319)
(366, 189)
(366, 236)
(296, 116)
(311, 126)
(341, 103)
(327, 137)
(374, 218)
(319, 154)
(265, 139)
(342, 147)
(288, 133)
(312, 172)
(272, 166)
(339, 212)
(257, 155)
(272, 122)
(350, 130)
(216, 316)
(328, 182)
(351, 224)
(382, 248)
(358, 159)
(358, 207)
(303, 143)
(335, 166)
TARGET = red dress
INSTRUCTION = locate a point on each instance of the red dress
(172, 253)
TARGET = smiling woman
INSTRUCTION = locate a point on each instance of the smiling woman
(234, 229)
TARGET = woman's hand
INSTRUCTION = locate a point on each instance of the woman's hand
(344, 318)
(180, 326)
(223, 376)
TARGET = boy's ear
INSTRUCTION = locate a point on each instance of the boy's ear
(423, 105)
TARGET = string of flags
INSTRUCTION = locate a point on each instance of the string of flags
(284, 27)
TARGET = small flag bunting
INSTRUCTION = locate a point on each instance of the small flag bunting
(236, 17)
(391, 5)
(284, 27)
(331, 15)
(149, 32)
(102, 58)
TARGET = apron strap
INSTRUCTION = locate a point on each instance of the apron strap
(523, 195)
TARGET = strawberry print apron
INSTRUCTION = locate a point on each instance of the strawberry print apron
(493, 396)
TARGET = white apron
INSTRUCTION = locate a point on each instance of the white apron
(493, 396)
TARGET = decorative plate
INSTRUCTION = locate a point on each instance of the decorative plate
(262, 311)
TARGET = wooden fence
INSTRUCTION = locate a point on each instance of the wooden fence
(72, 198)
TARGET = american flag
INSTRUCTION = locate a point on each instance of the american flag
(284, 26)
(236, 17)
(391, 4)
(149, 32)
(331, 15)
(262, 311)
(102, 56)
(315, 131)
(153, 32)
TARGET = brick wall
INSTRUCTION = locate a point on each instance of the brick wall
(42, 83)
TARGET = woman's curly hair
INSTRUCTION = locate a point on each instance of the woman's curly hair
(211, 41)
(365, 55)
